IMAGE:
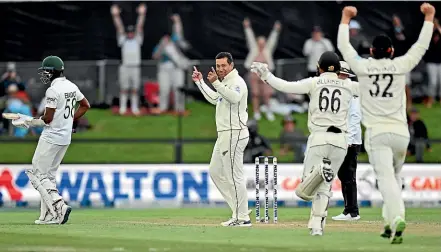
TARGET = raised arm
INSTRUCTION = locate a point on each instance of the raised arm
(115, 11)
(142, 10)
(210, 95)
(178, 32)
(411, 59)
(273, 38)
(249, 34)
(297, 87)
(348, 52)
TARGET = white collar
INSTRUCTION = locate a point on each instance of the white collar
(330, 74)
(57, 79)
(231, 75)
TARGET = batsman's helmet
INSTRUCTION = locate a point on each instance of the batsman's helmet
(345, 69)
(329, 62)
(51, 67)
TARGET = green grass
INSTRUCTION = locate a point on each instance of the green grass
(199, 124)
(198, 230)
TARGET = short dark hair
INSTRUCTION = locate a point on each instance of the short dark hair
(227, 55)
(382, 47)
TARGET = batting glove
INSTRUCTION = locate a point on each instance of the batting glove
(20, 123)
(261, 69)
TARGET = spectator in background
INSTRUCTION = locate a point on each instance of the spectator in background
(18, 102)
(358, 40)
(292, 139)
(10, 77)
(130, 69)
(261, 50)
(257, 146)
(433, 64)
(171, 66)
(401, 45)
(419, 137)
(314, 48)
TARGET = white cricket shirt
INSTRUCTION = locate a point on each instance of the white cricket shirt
(383, 81)
(62, 95)
(131, 49)
(330, 99)
(231, 100)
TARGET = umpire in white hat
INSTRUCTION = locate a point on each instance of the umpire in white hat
(347, 172)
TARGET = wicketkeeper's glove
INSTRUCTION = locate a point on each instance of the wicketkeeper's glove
(261, 69)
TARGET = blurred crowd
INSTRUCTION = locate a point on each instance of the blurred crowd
(167, 94)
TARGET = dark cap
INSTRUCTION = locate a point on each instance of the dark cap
(382, 43)
(317, 29)
(329, 62)
(130, 28)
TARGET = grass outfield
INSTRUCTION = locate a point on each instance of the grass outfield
(198, 230)
(200, 124)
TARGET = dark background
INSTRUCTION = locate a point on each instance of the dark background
(85, 31)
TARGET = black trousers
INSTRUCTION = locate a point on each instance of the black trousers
(347, 176)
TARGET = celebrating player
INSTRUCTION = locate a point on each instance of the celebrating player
(61, 99)
(226, 165)
(347, 173)
(130, 42)
(383, 100)
(327, 123)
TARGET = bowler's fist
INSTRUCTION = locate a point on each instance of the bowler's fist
(142, 9)
(427, 9)
(277, 26)
(350, 11)
(115, 10)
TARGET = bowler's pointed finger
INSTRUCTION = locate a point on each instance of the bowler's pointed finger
(194, 67)
(212, 69)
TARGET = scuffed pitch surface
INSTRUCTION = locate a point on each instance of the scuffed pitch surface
(198, 230)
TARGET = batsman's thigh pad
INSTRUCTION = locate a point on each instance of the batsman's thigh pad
(321, 173)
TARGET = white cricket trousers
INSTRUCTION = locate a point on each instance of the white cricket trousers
(387, 153)
(227, 172)
(313, 158)
(171, 79)
(129, 78)
(434, 74)
(47, 159)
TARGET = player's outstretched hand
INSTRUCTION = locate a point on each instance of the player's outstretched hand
(212, 75)
(261, 69)
(349, 11)
(196, 76)
(427, 9)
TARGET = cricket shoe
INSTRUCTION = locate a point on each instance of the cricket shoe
(346, 217)
(47, 220)
(316, 232)
(240, 223)
(228, 222)
(63, 210)
(387, 233)
(397, 231)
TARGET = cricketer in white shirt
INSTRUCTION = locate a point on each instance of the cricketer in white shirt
(61, 99)
(383, 100)
(330, 98)
(226, 165)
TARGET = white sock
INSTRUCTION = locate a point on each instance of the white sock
(123, 101)
(134, 102)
